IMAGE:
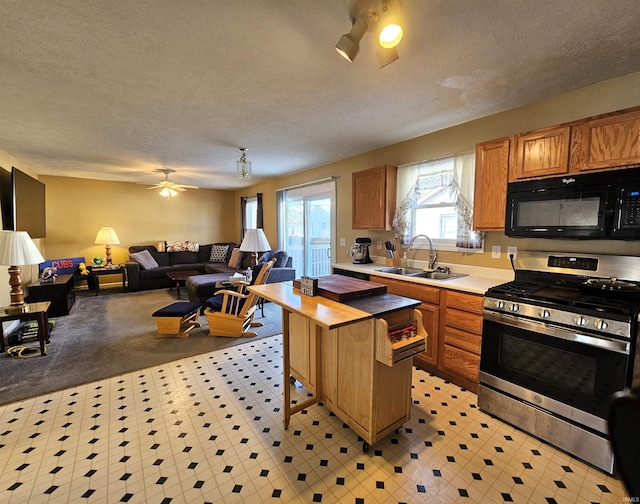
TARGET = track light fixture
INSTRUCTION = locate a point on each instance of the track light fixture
(379, 16)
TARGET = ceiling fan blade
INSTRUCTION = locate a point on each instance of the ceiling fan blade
(187, 186)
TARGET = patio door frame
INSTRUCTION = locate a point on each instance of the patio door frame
(325, 188)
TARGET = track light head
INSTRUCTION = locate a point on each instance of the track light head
(349, 44)
(382, 17)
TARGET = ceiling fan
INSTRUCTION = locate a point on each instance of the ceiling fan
(167, 188)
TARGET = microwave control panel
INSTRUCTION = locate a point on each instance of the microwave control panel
(629, 211)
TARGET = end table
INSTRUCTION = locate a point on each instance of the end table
(98, 271)
(38, 312)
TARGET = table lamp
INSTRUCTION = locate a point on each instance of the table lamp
(17, 249)
(107, 236)
(255, 241)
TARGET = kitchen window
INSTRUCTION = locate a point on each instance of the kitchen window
(436, 199)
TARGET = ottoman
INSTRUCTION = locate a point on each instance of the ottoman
(177, 319)
(202, 287)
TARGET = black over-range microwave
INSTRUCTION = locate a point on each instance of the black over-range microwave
(601, 205)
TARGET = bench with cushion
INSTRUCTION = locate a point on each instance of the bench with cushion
(177, 319)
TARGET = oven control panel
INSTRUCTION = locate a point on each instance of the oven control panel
(603, 325)
(573, 262)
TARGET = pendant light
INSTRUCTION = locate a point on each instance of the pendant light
(244, 166)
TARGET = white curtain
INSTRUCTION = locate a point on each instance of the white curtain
(454, 172)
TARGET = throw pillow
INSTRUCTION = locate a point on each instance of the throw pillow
(235, 261)
(218, 253)
(144, 259)
(281, 258)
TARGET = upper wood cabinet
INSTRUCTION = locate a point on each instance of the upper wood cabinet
(374, 198)
(542, 153)
(609, 141)
(490, 191)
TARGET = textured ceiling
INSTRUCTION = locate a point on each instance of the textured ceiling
(113, 90)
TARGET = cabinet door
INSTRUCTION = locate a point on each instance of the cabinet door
(374, 198)
(302, 350)
(356, 358)
(542, 153)
(490, 191)
(606, 142)
(430, 323)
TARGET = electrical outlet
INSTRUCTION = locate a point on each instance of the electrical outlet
(342, 242)
(379, 245)
(496, 251)
(512, 251)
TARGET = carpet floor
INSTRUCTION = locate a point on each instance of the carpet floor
(108, 335)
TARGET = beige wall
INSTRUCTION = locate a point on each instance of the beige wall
(77, 208)
(608, 96)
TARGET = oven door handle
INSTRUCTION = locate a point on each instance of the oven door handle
(618, 346)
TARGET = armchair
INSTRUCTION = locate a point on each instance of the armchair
(230, 313)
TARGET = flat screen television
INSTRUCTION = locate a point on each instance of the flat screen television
(22, 202)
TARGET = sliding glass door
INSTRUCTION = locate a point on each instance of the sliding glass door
(307, 227)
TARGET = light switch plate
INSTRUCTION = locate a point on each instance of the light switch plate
(496, 251)
(379, 245)
(342, 242)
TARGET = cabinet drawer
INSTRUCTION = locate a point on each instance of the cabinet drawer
(424, 293)
(466, 321)
(461, 362)
(466, 302)
(463, 340)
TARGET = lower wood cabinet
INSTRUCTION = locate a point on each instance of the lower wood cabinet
(453, 323)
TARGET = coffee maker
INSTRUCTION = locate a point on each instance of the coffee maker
(359, 252)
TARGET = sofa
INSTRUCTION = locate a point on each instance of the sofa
(197, 258)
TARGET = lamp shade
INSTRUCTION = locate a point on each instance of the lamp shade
(107, 236)
(17, 249)
(255, 241)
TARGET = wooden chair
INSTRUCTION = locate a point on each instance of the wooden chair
(230, 313)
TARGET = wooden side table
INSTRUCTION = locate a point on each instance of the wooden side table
(98, 271)
(38, 312)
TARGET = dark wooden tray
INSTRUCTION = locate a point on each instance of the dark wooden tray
(343, 288)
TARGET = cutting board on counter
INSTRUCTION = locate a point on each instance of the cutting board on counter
(343, 288)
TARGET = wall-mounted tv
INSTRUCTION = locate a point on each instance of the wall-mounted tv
(22, 203)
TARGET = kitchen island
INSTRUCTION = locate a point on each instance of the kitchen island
(354, 356)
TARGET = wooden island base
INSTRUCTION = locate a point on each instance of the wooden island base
(343, 355)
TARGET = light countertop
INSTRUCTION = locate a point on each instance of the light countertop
(477, 281)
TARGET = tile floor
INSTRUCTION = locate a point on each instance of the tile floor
(209, 429)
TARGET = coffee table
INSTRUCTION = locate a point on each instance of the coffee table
(180, 277)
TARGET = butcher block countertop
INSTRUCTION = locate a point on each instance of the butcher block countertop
(327, 313)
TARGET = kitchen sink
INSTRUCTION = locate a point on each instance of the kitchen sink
(396, 270)
(441, 275)
(418, 273)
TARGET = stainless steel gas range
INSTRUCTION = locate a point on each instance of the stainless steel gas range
(557, 342)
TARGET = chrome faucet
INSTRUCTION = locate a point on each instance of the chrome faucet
(433, 252)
